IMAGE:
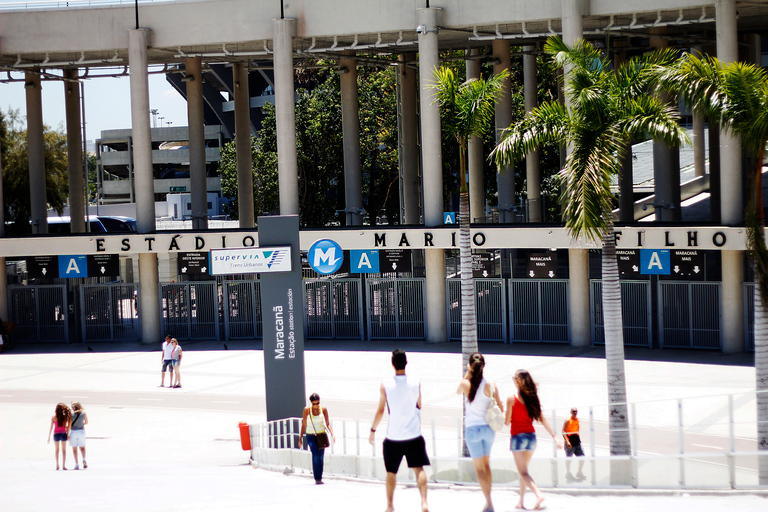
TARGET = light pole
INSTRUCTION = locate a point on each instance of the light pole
(154, 113)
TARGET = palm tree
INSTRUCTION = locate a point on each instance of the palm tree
(467, 110)
(607, 108)
(736, 96)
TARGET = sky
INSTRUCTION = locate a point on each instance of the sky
(107, 100)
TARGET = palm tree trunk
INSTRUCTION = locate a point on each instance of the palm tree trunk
(468, 316)
(761, 373)
(618, 417)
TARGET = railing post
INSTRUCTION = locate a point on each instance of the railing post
(554, 451)
(344, 433)
(731, 445)
(357, 437)
(593, 463)
(459, 475)
(434, 450)
(681, 441)
(633, 442)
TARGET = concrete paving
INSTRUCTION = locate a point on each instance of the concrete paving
(152, 448)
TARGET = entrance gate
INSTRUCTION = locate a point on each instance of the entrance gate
(690, 314)
(396, 308)
(539, 310)
(109, 312)
(242, 309)
(190, 311)
(490, 308)
(635, 313)
(39, 312)
(334, 308)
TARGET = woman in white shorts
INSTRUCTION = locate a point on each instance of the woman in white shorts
(77, 432)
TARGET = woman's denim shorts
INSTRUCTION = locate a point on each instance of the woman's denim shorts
(479, 440)
(522, 442)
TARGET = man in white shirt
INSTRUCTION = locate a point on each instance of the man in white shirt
(401, 395)
(167, 360)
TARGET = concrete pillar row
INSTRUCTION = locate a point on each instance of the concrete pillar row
(475, 173)
(408, 118)
(138, 42)
(532, 171)
(434, 259)
(350, 127)
(196, 125)
(36, 153)
(285, 109)
(505, 177)
(74, 151)
(245, 208)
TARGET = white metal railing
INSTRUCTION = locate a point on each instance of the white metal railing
(676, 443)
(73, 4)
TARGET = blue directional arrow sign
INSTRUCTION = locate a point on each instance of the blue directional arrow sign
(73, 266)
(654, 261)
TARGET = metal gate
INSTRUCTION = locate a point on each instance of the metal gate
(190, 311)
(334, 308)
(690, 314)
(39, 312)
(242, 309)
(109, 312)
(490, 308)
(539, 310)
(635, 313)
(396, 308)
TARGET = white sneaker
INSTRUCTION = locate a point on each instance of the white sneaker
(77, 467)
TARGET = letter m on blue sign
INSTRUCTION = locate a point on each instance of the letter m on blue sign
(73, 266)
(654, 261)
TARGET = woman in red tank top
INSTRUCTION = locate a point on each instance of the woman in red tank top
(60, 425)
(522, 409)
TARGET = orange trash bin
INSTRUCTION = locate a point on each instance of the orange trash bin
(245, 435)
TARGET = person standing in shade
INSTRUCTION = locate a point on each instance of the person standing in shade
(167, 361)
(522, 409)
(401, 396)
(77, 432)
(176, 362)
(316, 419)
(60, 424)
(478, 393)
(573, 446)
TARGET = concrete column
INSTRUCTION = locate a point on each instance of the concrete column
(626, 178)
(475, 155)
(714, 173)
(699, 155)
(532, 171)
(36, 151)
(138, 41)
(573, 23)
(731, 182)
(431, 157)
(733, 301)
(350, 127)
(505, 177)
(196, 126)
(409, 141)
(74, 151)
(245, 208)
(285, 109)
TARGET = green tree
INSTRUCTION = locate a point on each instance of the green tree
(606, 109)
(265, 187)
(466, 109)
(16, 171)
(735, 95)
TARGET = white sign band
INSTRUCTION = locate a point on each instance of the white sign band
(254, 260)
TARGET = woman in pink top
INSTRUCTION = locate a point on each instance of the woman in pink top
(60, 425)
(522, 409)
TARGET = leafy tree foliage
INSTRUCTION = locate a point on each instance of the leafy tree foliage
(16, 171)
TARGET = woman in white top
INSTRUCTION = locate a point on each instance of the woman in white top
(176, 361)
(315, 421)
(478, 393)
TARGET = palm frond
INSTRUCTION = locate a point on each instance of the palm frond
(547, 122)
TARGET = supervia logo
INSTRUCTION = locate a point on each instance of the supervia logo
(325, 256)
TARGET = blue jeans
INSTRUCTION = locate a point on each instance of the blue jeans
(317, 457)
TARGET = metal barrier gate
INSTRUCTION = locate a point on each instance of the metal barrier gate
(539, 309)
(39, 312)
(635, 313)
(242, 309)
(334, 308)
(490, 309)
(690, 314)
(109, 312)
(190, 311)
(396, 308)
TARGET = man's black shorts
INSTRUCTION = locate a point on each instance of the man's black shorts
(167, 363)
(575, 448)
(414, 450)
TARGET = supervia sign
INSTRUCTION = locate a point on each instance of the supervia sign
(325, 256)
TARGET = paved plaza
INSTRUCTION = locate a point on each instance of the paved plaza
(152, 448)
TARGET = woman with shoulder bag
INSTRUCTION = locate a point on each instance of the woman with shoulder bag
(314, 423)
(479, 395)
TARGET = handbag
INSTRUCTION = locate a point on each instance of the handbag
(322, 438)
(493, 416)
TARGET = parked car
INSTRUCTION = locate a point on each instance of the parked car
(118, 223)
